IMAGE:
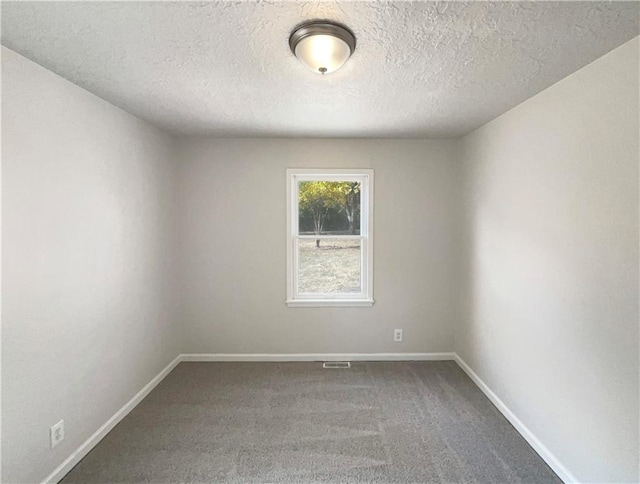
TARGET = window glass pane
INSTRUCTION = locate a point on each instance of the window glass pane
(329, 208)
(329, 266)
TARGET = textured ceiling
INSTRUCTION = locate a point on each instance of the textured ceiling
(421, 69)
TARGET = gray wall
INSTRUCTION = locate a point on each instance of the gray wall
(86, 314)
(231, 235)
(551, 213)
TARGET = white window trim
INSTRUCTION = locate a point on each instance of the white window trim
(363, 299)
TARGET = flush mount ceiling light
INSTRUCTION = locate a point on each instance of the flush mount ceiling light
(322, 46)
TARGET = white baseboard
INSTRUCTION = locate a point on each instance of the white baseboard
(553, 462)
(92, 441)
(317, 356)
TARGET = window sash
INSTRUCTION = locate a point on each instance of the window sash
(365, 296)
(323, 237)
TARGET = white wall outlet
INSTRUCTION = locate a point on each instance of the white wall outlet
(397, 335)
(56, 433)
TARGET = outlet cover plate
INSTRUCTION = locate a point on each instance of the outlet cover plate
(56, 433)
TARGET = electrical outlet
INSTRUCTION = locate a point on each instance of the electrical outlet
(397, 335)
(56, 433)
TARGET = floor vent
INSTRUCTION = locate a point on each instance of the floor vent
(336, 364)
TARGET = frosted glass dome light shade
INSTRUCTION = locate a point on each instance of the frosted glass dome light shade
(322, 53)
(322, 47)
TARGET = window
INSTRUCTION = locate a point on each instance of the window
(329, 237)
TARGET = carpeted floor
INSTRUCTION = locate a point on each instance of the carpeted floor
(400, 422)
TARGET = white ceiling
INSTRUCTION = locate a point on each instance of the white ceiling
(420, 69)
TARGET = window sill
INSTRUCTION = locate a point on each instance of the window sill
(334, 303)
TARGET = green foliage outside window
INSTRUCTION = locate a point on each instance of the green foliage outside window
(327, 207)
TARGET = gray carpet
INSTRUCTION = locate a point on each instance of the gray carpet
(386, 422)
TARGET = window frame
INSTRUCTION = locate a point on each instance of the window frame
(365, 297)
